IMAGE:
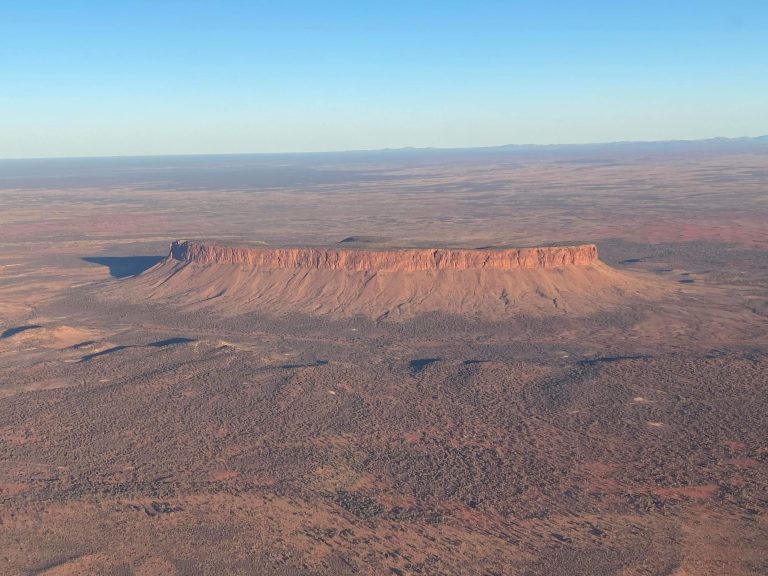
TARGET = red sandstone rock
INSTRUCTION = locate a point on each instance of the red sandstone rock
(386, 283)
(405, 260)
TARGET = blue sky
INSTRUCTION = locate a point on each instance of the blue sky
(170, 77)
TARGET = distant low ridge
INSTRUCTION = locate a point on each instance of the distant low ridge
(490, 283)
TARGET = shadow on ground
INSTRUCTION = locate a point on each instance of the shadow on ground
(124, 266)
(18, 329)
(89, 357)
(419, 364)
(170, 342)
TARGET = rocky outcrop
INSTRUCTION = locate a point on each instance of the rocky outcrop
(372, 260)
(346, 281)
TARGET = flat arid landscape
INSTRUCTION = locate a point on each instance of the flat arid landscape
(525, 361)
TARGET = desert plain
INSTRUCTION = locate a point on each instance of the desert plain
(282, 411)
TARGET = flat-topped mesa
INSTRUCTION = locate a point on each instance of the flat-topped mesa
(372, 260)
(384, 282)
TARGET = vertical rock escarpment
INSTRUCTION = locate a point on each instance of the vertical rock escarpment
(488, 283)
(372, 260)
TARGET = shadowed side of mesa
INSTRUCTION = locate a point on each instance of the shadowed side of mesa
(124, 266)
(385, 283)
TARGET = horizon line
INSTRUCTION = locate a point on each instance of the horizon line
(711, 139)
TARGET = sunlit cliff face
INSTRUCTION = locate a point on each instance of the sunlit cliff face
(404, 260)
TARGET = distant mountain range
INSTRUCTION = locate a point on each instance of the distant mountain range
(757, 144)
(714, 145)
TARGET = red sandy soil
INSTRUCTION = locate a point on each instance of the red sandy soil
(164, 416)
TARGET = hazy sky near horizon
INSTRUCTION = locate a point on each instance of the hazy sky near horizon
(83, 78)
